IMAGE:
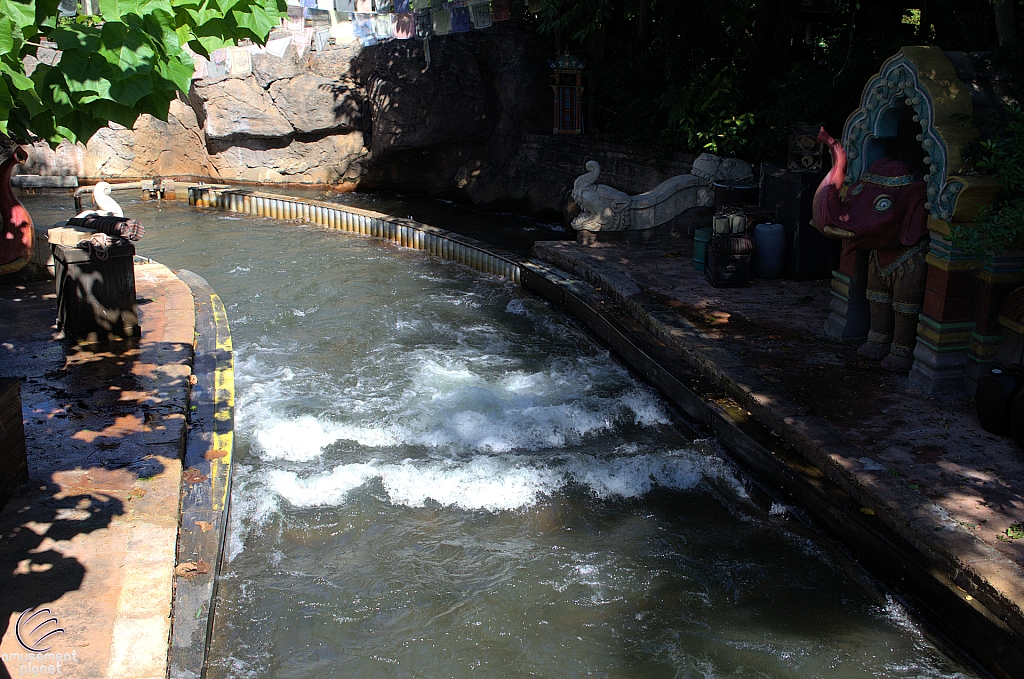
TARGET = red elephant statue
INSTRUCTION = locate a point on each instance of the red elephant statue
(883, 213)
(16, 234)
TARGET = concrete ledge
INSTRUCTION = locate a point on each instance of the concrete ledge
(35, 181)
(404, 232)
(206, 490)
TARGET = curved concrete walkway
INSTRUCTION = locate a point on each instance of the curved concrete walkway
(92, 536)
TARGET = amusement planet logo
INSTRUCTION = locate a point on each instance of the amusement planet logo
(37, 630)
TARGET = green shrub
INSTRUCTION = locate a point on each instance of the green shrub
(706, 114)
(1001, 225)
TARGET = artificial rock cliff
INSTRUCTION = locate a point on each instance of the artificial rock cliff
(378, 117)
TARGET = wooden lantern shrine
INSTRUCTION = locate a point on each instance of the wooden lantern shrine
(567, 83)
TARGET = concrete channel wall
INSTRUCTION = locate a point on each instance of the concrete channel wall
(206, 483)
(404, 232)
(987, 635)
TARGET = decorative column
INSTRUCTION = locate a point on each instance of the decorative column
(945, 325)
(996, 280)
(849, 315)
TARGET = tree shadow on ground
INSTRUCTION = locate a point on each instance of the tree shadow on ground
(90, 418)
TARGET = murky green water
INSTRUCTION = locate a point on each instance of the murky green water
(438, 477)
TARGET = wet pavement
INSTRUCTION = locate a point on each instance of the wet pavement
(923, 465)
(92, 535)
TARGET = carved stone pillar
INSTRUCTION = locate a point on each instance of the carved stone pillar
(947, 320)
(849, 315)
(996, 280)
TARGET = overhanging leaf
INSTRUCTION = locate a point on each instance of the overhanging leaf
(6, 35)
(130, 90)
(22, 14)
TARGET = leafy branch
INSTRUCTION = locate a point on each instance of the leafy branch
(1002, 225)
(130, 61)
(705, 113)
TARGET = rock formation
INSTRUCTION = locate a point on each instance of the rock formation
(152, 148)
(380, 117)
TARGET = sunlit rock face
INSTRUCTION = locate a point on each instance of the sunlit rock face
(380, 117)
(238, 108)
(153, 147)
(312, 104)
(333, 159)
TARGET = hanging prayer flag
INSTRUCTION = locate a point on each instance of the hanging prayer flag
(442, 21)
(364, 6)
(452, 4)
(318, 18)
(344, 5)
(309, 3)
(405, 26)
(362, 24)
(277, 46)
(382, 26)
(402, 6)
(500, 11)
(321, 38)
(424, 24)
(218, 66)
(460, 20)
(202, 65)
(301, 39)
(481, 16)
(240, 62)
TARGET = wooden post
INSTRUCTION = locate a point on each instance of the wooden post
(13, 456)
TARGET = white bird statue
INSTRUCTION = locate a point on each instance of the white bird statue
(105, 205)
(602, 207)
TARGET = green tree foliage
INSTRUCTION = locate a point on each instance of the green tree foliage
(1002, 225)
(703, 114)
(113, 68)
(733, 75)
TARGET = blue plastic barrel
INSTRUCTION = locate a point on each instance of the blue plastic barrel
(770, 257)
(700, 247)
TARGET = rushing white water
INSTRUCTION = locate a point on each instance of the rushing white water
(437, 476)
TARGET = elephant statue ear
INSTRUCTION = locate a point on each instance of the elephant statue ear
(915, 219)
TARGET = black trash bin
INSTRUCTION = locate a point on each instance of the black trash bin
(96, 292)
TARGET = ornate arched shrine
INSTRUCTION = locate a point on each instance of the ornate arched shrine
(922, 108)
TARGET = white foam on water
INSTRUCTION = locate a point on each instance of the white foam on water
(304, 438)
(637, 475)
(251, 509)
(502, 482)
(486, 483)
(517, 307)
(321, 490)
(459, 404)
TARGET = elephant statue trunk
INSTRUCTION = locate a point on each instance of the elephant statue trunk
(884, 214)
(826, 197)
(16, 236)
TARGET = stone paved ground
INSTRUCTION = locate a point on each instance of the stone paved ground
(954, 487)
(92, 536)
